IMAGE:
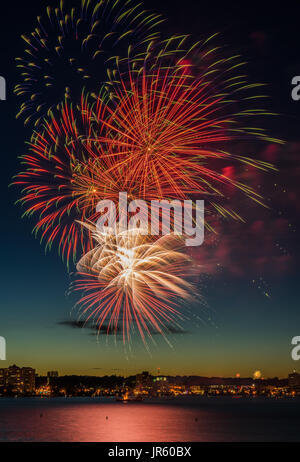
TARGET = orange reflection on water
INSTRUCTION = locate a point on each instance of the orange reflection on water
(50, 420)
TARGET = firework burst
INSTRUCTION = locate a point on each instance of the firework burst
(130, 280)
(74, 47)
(58, 186)
(170, 125)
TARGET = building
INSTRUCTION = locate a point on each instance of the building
(28, 375)
(197, 390)
(144, 382)
(161, 385)
(144, 379)
(2, 378)
(294, 379)
(52, 374)
(16, 379)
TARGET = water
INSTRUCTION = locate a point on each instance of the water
(181, 419)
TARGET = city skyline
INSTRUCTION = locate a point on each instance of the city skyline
(24, 381)
(256, 375)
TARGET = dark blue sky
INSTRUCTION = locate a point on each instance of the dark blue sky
(246, 325)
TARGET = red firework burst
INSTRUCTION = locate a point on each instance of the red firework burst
(168, 129)
(160, 135)
(57, 185)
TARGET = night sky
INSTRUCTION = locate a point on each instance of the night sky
(250, 279)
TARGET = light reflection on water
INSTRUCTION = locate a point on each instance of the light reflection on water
(182, 419)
